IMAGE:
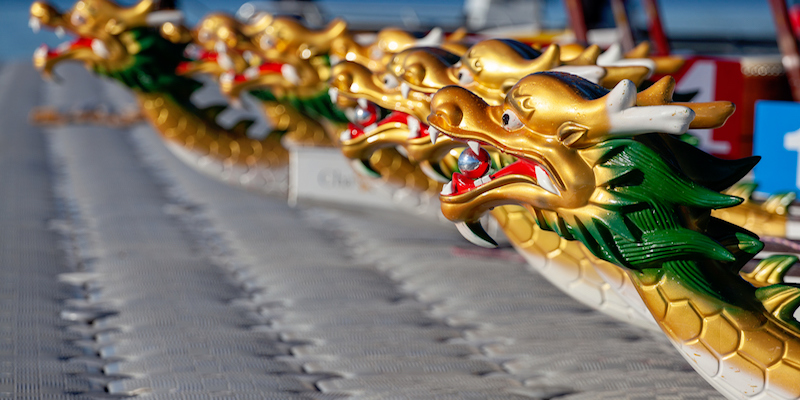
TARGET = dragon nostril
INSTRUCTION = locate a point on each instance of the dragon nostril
(451, 113)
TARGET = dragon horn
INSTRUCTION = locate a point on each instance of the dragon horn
(614, 75)
(550, 59)
(586, 57)
(144, 13)
(44, 13)
(626, 119)
(709, 115)
(258, 24)
(434, 38)
(457, 35)
(335, 28)
(640, 51)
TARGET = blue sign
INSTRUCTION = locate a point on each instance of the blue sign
(777, 140)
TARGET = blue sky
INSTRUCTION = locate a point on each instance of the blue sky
(747, 18)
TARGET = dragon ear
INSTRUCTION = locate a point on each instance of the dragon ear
(570, 133)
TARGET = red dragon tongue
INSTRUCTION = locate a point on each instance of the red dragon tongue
(81, 42)
(353, 131)
(519, 167)
(461, 183)
(270, 67)
(184, 67)
(395, 116)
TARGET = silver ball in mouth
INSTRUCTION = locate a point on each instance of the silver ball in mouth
(363, 115)
(473, 165)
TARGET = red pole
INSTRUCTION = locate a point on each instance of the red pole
(657, 35)
(788, 45)
(576, 20)
(623, 25)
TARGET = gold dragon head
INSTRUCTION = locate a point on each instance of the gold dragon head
(556, 125)
(385, 112)
(490, 67)
(390, 41)
(105, 32)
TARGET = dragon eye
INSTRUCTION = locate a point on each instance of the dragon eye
(511, 121)
(266, 42)
(464, 77)
(390, 81)
(78, 19)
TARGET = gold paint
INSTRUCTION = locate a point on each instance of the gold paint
(744, 347)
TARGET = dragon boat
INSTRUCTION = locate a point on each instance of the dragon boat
(406, 86)
(140, 48)
(600, 167)
(387, 167)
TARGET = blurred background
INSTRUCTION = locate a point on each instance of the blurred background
(707, 26)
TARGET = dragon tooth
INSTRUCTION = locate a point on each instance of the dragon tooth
(474, 232)
(63, 47)
(290, 74)
(35, 24)
(434, 134)
(447, 189)
(401, 150)
(345, 135)
(248, 56)
(334, 94)
(413, 127)
(60, 32)
(363, 103)
(220, 47)
(350, 113)
(543, 180)
(482, 180)
(99, 48)
(476, 148)
(404, 89)
(40, 51)
(227, 78)
(334, 59)
(251, 73)
(225, 61)
(370, 128)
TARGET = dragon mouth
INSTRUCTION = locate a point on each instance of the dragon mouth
(367, 120)
(275, 75)
(464, 188)
(85, 48)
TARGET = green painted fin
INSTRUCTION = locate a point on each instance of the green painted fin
(771, 270)
(782, 301)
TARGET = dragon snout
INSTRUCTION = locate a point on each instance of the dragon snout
(450, 113)
(414, 74)
(450, 105)
(342, 80)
